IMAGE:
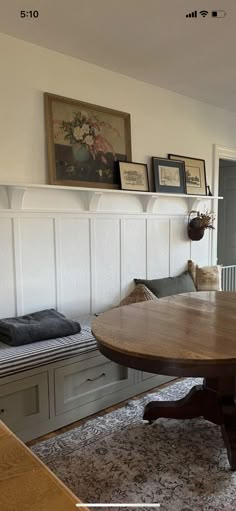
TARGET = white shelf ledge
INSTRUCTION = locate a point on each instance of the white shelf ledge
(92, 196)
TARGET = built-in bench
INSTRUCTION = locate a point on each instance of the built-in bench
(48, 384)
(14, 359)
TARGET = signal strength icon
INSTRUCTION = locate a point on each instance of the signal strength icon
(203, 13)
(192, 14)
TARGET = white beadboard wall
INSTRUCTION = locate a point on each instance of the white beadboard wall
(85, 262)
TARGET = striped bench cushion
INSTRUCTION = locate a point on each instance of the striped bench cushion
(14, 359)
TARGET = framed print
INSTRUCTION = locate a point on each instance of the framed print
(169, 176)
(195, 172)
(84, 142)
(133, 176)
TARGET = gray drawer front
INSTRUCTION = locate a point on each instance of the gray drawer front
(23, 403)
(83, 382)
(146, 376)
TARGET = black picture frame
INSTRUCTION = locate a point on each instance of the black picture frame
(195, 171)
(174, 182)
(133, 176)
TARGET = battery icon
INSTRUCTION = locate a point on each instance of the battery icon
(218, 14)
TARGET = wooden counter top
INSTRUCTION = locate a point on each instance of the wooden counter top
(26, 484)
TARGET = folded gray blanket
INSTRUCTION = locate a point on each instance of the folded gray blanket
(38, 326)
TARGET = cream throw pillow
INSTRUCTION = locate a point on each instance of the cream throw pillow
(139, 294)
(192, 268)
(206, 278)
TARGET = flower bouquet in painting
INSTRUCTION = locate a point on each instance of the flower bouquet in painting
(86, 141)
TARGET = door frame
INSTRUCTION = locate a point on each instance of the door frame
(220, 153)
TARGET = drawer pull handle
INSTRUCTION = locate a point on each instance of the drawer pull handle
(2, 410)
(96, 377)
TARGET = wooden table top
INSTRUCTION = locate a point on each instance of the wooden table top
(26, 484)
(192, 334)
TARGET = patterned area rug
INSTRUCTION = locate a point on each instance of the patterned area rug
(119, 458)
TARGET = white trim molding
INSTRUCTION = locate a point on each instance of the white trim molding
(225, 153)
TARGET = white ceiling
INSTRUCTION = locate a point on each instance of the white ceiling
(151, 40)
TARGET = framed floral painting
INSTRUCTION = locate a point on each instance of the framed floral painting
(84, 142)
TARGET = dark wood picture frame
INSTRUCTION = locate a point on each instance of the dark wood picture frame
(84, 142)
(165, 180)
(141, 170)
(198, 185)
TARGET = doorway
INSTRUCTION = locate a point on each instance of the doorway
(226, 239)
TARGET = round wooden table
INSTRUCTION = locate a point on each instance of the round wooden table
(192, 334)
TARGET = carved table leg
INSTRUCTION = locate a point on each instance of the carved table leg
(214, 400)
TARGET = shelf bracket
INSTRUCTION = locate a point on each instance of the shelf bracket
(15, 196)
(149, 203)
(198, 203)
(93, 200)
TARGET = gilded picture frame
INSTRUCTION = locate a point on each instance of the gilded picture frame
(84, 142)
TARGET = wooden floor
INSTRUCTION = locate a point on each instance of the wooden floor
(99, 414)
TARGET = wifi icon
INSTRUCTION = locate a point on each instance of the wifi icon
(203, 13)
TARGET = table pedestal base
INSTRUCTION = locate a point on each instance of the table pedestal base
(214, 400)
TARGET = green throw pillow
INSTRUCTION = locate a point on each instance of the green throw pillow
(170, 285)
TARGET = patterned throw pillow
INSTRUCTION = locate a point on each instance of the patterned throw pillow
(206, 278)
(139, 294)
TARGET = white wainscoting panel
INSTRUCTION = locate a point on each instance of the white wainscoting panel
(179, 245)
(133, 252)
(158, 248)
(38, 264)
(105, 254)
(85, 261)
(7, 294)
(74, 238)
(200, 250)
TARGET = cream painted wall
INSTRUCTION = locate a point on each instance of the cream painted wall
(162, 121)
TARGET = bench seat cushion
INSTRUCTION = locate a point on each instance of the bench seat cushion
(14, 359)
